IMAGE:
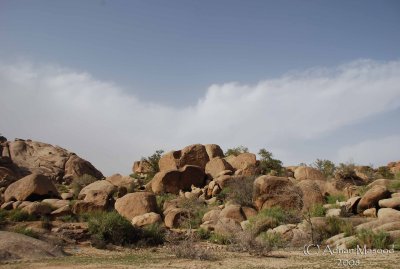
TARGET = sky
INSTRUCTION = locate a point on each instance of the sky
(116, 80)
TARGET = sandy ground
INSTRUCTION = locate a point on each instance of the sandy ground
(88, 257)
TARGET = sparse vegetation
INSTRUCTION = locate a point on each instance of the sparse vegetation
(332, 199)
(317, 210)
(268, 164)
(187, 250)
(162, 198)
(327, 167)
(220, 239)
(18, 215)
(196, 210)
(153, 160)
(394, 185)
(236, 151)
(79, 183)
(238, 190)
(384, 172)
(333, 226)
(371, 239)
(203, 234)
(26, 231)
(153, 234)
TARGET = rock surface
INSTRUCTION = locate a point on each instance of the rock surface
(136, 204)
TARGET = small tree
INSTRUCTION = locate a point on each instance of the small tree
(327, 167)
(236, 151)
(153, 160)
(268, 163)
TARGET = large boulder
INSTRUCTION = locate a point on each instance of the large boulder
(215, 166)
(393, 202)
(173, 181)
(311, 193)
(388, 214)
(100, 185)
(141, 167)
(31, 188)
(246, 163)
(9, 172)
(38, 209)
(306, 172)
(136, 204)
(55, 162)
(271, 191)
(191, 155)
(146, 219)
(233, 212)
(15, 246)
(372, 197)
(176, 217)
(214, 151)
(394, 167)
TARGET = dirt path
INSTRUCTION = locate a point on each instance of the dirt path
(161, 258)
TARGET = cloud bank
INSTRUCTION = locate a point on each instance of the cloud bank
(111, 127)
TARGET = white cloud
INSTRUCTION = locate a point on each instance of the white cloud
(112, 128)
(378, 151)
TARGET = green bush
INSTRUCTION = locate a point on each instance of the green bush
(162, 198)
(271, 240)
(331, 199)
(203, 234)
(79, 183)
(236, 151)
(196, 210)
(111, 227)
(3, 215)
(153, 234)
(26, 231)
(18, 215)
(69, 218)
(394, 185)
(334, 226)
(371, 239)
(317, 210)
(153, 160)
(220, 239)
(384, 172)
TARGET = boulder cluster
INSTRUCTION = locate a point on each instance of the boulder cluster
(31, 174)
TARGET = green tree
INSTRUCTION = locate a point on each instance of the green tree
(236, 151)
(327, 167)
(153, 160)
(268, 163)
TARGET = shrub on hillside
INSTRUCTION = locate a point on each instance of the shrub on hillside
(333, 226)
(236, 151)
(196, 210)
(238, 190)
(111, 227)
(384, 172)
(18, 215)
(327, 167)
(26, 231)
(371, 239)
(268, 164)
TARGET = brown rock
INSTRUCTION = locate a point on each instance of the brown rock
(37, 208)
(271, 191)
(212, 216)
(175, 217)
(380, 182)
(215, 166)
(15, 246)
(306, 172)
(372, 197)
(122, 181)
(311, 193)
(80, 207)
(136, 204)
(146, 219)
(233, 212)
(31, 188)
(246, 162)
(175, 180)
(100, 185)
(370, 212)
(214, 151)
(55, 203)
(387, 214)
(76, 167)
(101, 199)
(227, 226)
(62, 211)
(249, 212)
(190, 155)
(223, 181)
(390, 202)
(141, 167)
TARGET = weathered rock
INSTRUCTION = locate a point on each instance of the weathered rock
(214, 151)
(8, 172)
(136, 204)
(390, 202)
(62, 211)
(101, 199)
(7, 205)
(173, 181)
(248, 212)
(306, 172)
(372, 197)
(245, 162)
(175, 217)
(380, 182)
(223, 181)
(15, 246)
(52, 161)
(190, 155)
(211, 216)
(233, 212)
(80, 207)
(146, 219)
(270, 191)
(215, 166)
(227, 226)
(31, 188)
(370, 212)
(388, 214)
(122, 181)
(100, 185)
(67, 196)
(55, 203)
(351, 204)
(36, 208)
(394, 167)
(334, 212)
(312, 194)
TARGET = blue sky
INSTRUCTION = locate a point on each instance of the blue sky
(176, 57)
